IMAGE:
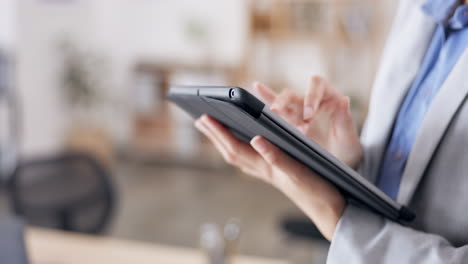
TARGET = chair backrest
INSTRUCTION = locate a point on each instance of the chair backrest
(70, 191)
(12, 244)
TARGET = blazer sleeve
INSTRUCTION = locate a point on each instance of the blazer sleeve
(363, 237)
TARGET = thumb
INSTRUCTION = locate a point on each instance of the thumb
(276, 158)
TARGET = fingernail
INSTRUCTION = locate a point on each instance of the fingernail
(259, 144)
(308, 112)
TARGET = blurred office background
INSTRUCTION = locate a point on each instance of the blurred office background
(89, 77)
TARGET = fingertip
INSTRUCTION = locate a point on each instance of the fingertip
(275, 109)
(208, 119)
(347, 101)
(255, 139)
(315, 79)
(200, 126)
(259, 144)
(257, 84)
(204, 118)
(264, 92)
(308, 113)
(199, 120)
(257, 88)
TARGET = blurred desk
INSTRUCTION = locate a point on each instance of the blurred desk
(56, 247)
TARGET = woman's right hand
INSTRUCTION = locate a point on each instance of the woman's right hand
(322, 115)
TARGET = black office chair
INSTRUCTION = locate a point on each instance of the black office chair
(301, 227)
(72, 192)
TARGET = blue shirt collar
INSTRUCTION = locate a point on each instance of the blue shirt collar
(459, 20)
(440, 10)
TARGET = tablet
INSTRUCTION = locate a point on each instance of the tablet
(246, 116)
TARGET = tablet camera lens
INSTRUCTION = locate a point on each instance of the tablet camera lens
(231, 93)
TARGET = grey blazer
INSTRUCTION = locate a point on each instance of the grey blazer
(435, 181)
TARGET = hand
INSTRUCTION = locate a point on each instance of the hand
(320, 200)
(322, 115)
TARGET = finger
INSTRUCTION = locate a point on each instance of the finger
(213, 139)
(287, 102)
(236, 151)
(265, 93)
(277, 158)
(318, 92)
(289, 106)
(322, 121)
(313, 97)
(283, 100)
(245, 163)
(343, 125)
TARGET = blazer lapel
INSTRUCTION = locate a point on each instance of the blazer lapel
(401, 62)
(441, 112)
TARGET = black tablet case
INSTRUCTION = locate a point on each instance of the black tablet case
(245, 116)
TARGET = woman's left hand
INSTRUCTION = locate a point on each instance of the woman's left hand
(320, 200)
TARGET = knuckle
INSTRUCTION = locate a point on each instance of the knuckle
(288, 99)
(232, 148)
(230, 158)
(230, 145)
(276, 101)
(272, 157)
(246, 171)
(289, 92)
(285, 94)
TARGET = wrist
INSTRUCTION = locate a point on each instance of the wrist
(317, 198)
(331, 216)
(355, 160)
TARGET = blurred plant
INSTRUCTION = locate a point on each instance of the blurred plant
(196, 31)
(81, 76)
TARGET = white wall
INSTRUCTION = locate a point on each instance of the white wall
(7, 24)
(39, 25)
(122, 30)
